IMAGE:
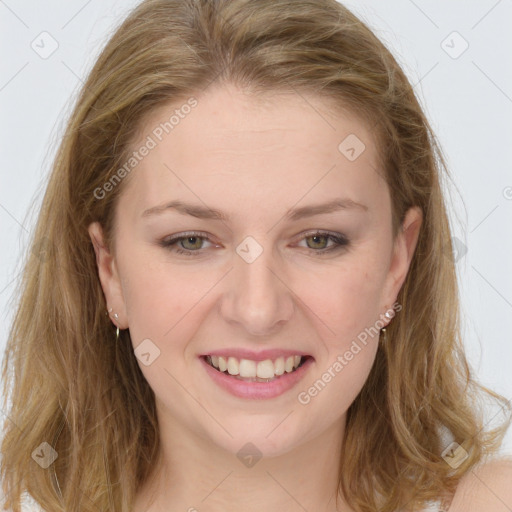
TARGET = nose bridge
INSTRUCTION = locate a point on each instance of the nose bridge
(256, 299)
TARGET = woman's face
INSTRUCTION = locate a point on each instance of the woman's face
(250, 280)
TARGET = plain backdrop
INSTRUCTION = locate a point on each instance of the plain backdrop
(457, 56)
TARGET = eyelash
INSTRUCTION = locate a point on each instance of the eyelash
(340, 241)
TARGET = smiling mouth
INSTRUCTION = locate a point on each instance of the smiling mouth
(253, 371)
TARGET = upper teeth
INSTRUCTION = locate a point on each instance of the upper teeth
(247, 368)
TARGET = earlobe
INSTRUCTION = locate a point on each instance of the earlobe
(108, 274)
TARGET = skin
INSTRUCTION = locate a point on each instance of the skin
(254, 161)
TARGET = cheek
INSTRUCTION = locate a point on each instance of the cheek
(349, 304)
(337, 382)
(344, 296)
(158, 295)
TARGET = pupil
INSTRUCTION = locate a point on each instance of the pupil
(191, 240)
(316, 238)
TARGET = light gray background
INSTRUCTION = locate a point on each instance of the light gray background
(468, 100)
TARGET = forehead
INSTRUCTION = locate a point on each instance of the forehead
(280, 146)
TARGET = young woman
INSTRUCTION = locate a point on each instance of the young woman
(245, 300)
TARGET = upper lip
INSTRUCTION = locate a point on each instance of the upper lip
(261, 355)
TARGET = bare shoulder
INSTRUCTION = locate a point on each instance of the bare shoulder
(487, 487)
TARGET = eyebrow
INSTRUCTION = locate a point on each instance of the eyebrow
(294, 214)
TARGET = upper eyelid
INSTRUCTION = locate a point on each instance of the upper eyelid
(203, 235)
(200, 234)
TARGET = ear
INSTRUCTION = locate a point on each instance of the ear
(109, 276)
(403, 251)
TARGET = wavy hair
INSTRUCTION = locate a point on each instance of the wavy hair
(71, 386)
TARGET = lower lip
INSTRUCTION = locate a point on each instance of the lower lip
(257, 390)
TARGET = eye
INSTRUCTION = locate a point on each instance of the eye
(186, 243)
(191, 243)
(317, 241)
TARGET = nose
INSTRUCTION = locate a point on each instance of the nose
(257, 297)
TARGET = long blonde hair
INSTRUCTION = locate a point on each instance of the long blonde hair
(72, 387)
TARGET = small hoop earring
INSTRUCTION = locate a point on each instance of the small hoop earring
(383, 330)
(116, 316)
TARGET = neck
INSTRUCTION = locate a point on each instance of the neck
(194, 475)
